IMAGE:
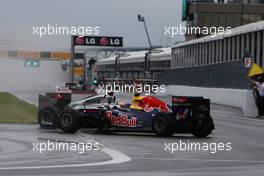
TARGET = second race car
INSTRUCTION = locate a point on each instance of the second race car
(53, 104)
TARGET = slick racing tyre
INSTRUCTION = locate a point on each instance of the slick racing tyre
(161, 125)
(69, 121)
(202, 126)
(47, 117)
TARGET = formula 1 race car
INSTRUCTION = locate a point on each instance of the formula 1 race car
(145, 114)
(52, 104)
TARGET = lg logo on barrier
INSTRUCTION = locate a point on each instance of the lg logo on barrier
(79, 41)
(104, 41)
(98, 41)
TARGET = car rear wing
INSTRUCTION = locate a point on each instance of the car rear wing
(57, 99)
(198, 105)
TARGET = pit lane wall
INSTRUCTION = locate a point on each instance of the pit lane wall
(223, 83)
(16, 76)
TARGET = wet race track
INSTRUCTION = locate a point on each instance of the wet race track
(137, 153)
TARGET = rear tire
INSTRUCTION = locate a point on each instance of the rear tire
(47, 117)
(201, 127)
(69, 121)
(161, 125)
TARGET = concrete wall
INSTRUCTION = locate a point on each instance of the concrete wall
(15, 77)
(231, 97)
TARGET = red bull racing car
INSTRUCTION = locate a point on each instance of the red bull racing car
(144, 114)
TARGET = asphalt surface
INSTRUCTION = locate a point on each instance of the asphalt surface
(137, 153)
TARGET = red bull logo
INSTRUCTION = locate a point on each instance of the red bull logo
(121, 120)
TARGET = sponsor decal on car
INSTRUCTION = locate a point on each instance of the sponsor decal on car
(147, 108)
(121, 120)
(165, 108)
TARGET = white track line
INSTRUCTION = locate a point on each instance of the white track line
(117, 157)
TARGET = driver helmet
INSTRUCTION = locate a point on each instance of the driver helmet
(137, 98)
(136, 102)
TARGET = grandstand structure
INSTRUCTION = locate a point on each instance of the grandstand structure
(210, 61)
(222, 48)
(134, 65)
(217, 61)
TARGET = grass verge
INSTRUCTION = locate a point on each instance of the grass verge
(14, 110)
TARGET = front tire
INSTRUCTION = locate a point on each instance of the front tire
(201, 127)
(161, 125)
(69, 121)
